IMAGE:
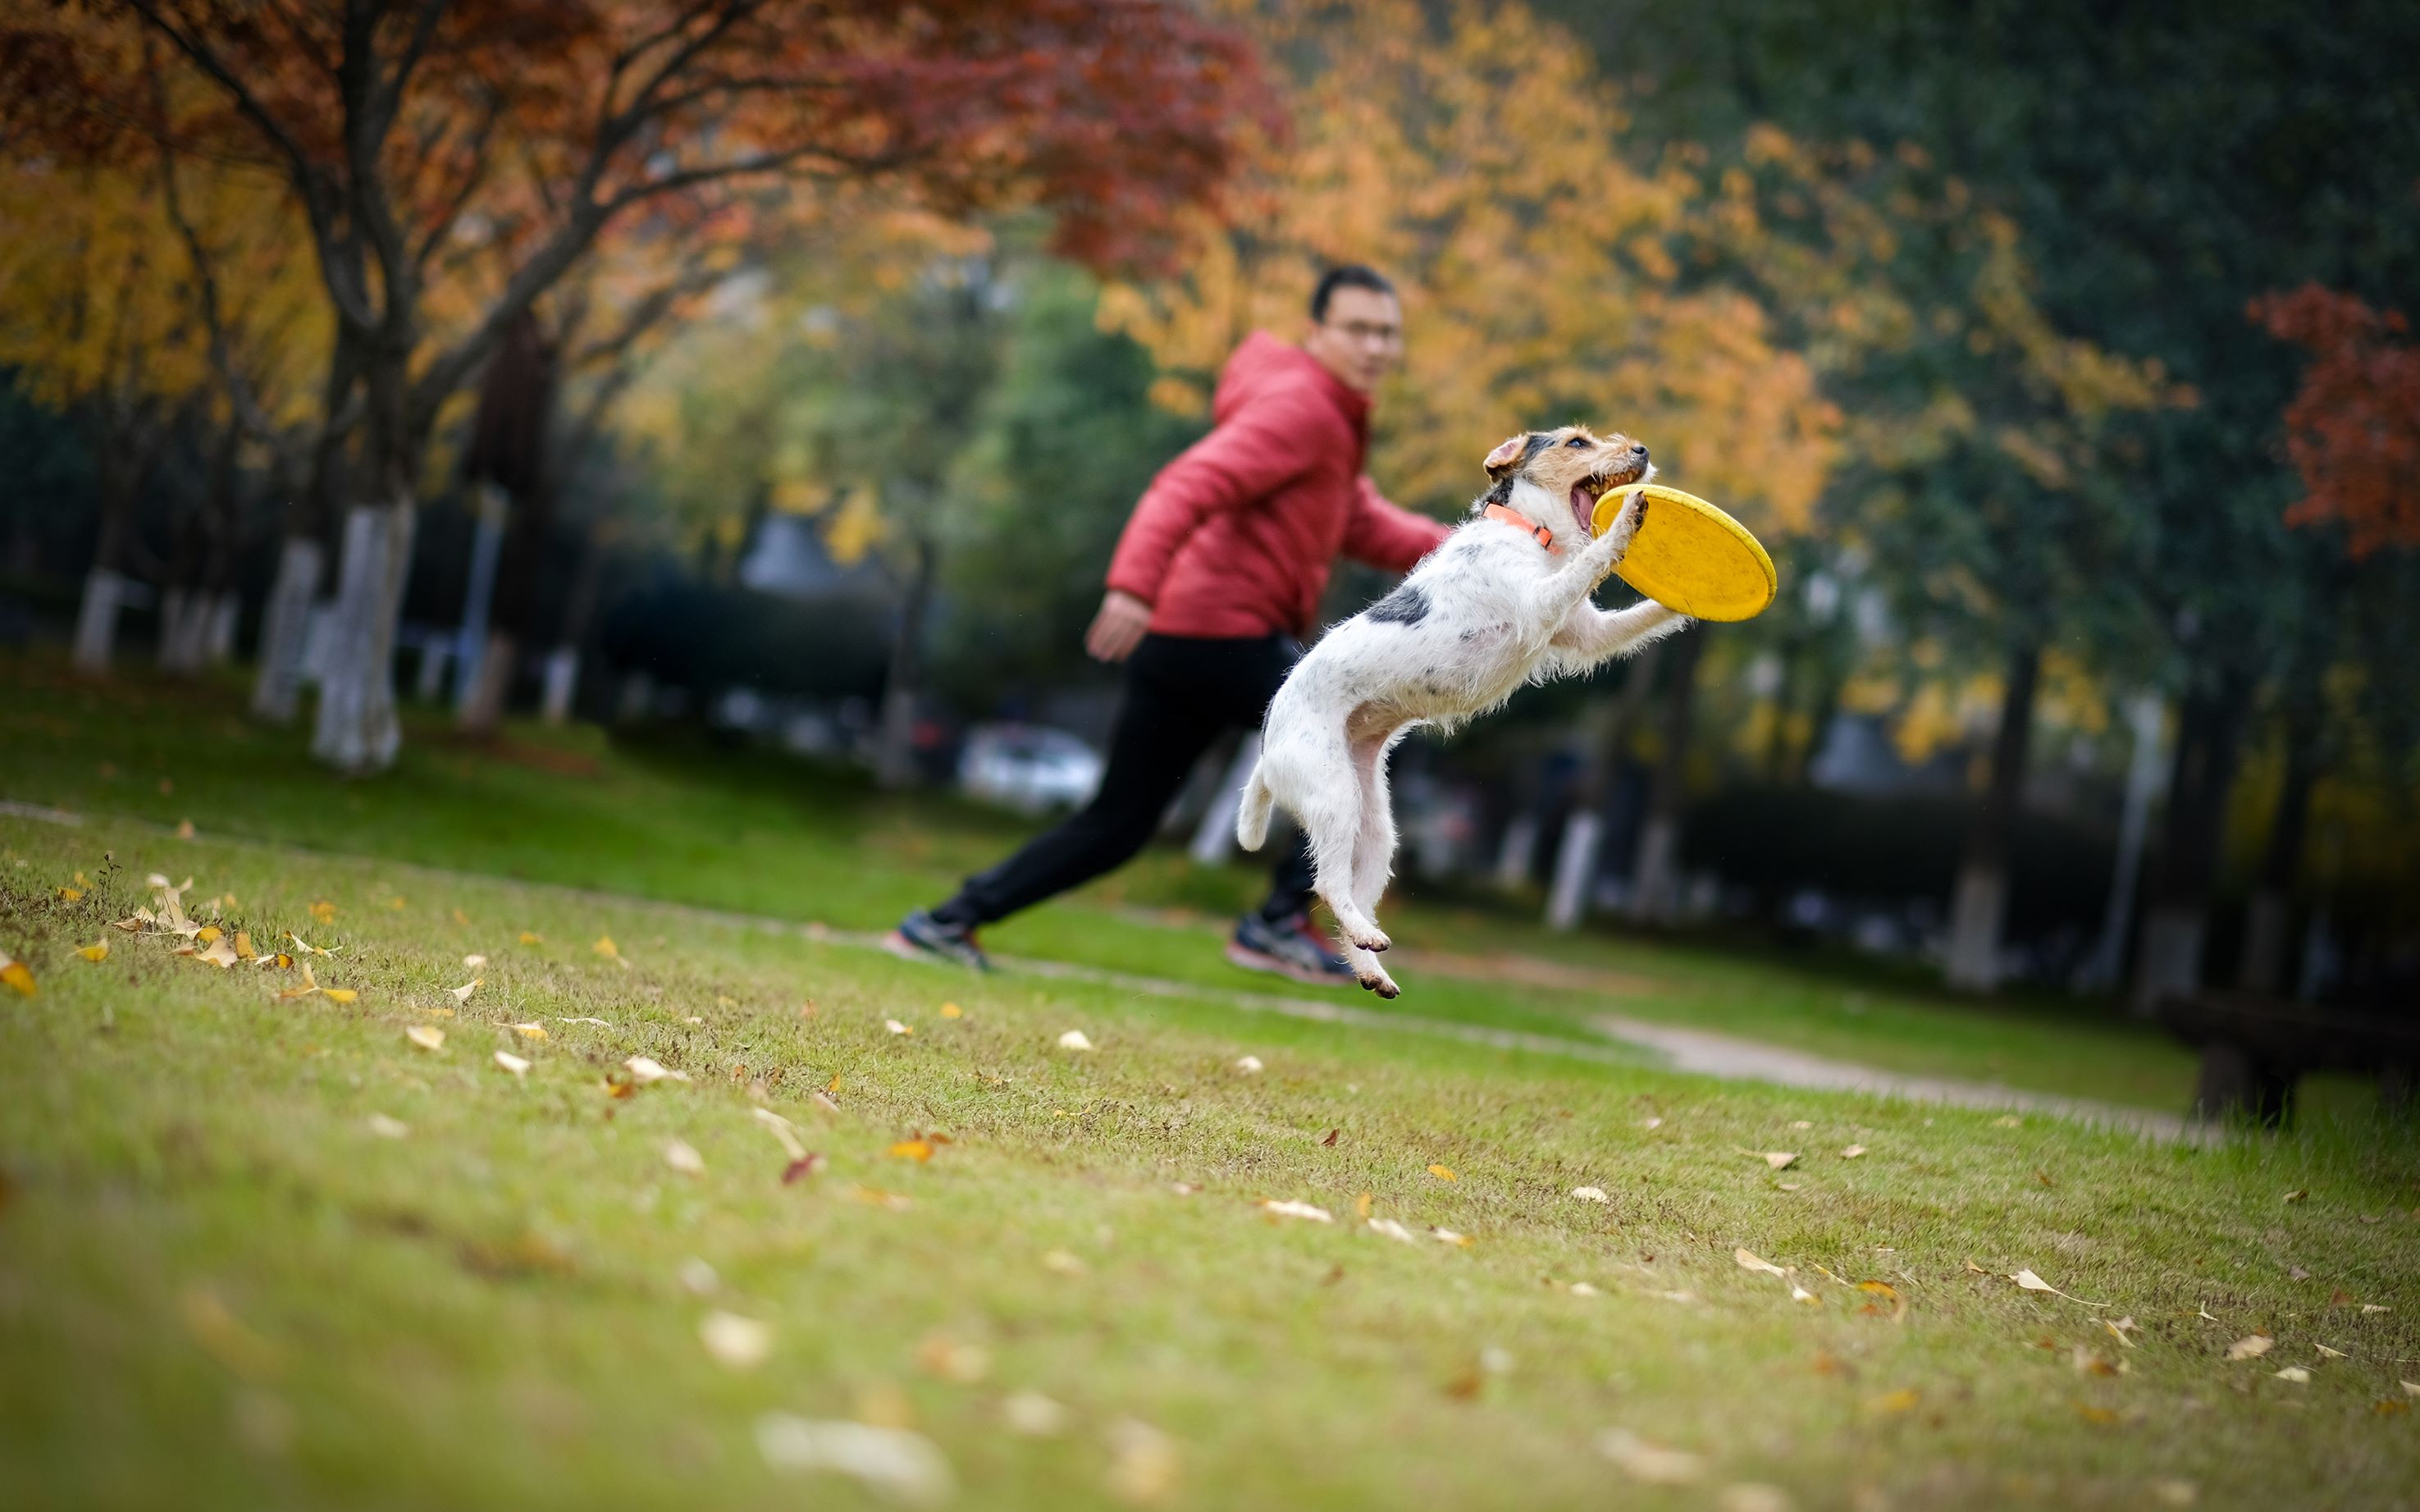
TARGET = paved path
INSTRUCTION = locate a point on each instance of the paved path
(1627, 1041)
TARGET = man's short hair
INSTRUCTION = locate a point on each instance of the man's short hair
(1351, 275)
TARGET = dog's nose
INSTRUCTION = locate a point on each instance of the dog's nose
(1640, 452)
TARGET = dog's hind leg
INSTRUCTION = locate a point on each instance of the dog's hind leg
(1373, 856)
(1319, 781)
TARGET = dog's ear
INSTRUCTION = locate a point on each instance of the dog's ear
(1508, 456)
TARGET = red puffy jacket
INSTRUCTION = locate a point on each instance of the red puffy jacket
(1235, 537)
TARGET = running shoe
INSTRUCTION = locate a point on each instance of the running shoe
(1291, 948)
(922, 936)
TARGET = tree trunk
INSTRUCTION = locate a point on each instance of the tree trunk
(2146, 715)
(562, 663)
(357, 731)
(96, 632)
(895, 754)
(1575, 861)
(1656, 875)
(478, 602)
(2175, 925)
(1979, 908)
(491, 687)
(2262, 970)
(285, 627)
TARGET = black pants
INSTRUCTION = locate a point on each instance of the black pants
(1182, 694)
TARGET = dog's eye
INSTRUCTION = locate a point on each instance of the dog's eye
(1576, 441)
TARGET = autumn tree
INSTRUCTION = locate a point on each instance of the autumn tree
(400, 126)
(2353, 427)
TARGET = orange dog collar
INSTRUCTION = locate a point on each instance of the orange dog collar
(1520, 521)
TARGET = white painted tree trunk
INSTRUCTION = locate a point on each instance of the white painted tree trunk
(1520, 849)
(562, 682)
(173, 653)
(1655, 882)
(218, 636)
(1976, 913)
(190, 621)
(356, 731)
(472, 642)
(1214, 839)
(2147, 717)
(96, 632)
(1574, 869)
(491, 687)
(286, 628)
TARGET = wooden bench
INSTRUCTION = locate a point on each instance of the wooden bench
(2253, 1050)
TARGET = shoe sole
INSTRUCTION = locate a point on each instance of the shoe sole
(1255, 961)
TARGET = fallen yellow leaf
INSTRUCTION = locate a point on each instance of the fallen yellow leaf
(646, 1070)
(1897, 1401)
(1361, 1205)
(683, 1157)
(73, 895)
(14, 972)
(338, 994)
(951, 1010)
(428, 1037)
(324, 911)
(1298, 1209)
(1748, 1261)
(98, 950)
(2033, 1282)
(462, 993)
(529, 939)
(1447, 1236)
(243, 945)
(606, 949)
(2250, 1347)
(896, 1027)
(1442, 1174)
(207, 934)
(512, 1062)
(912, 1150)
(737, 1342)
(1853, 1152)
(532, 1030)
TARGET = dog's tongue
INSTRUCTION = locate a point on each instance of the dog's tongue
(1582, 508)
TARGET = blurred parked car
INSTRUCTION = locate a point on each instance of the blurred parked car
(1031, 768)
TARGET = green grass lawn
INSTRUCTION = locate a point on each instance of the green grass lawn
(258, 1251)
(674, 819)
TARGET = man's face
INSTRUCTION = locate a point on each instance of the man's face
(1361, 339)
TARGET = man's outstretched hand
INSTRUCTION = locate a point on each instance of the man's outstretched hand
(1118, 629)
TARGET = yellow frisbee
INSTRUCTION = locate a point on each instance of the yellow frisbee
(1691, 557)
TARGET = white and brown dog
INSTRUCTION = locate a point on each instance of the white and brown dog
(1502, 602)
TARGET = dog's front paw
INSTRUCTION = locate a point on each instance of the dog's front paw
(1625, 528)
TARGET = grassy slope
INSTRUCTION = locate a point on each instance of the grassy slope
(218, 1287)
(764, 834)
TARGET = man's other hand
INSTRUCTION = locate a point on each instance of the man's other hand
(1118, 629)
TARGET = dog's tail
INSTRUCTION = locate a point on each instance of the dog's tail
(1253, 814)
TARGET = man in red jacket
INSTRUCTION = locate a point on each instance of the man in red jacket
(1216, 580)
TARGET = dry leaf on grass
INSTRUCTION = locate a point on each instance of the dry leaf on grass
(2118, 1330)
(1900, 1400)
(738, 1342)
(1649, 1464)
(386, 1128)
(2295, 1374)
(1800, 1294)
(2250, 1347)
(1143, 1462)
(473, 962)
(1391, 1229)
(1581, 1288)
(462, 993)
(1888, 1293)
(612, 952)
(1035, 1415)
(1591, 1195)
(948, 1010)
(532, 1030)
(428, 1037)
(1442, 1174)
(1248, 1064)
(1362, 1203)
(599, 1022)
(322, 912)
(1747, 1261)
(1296, 1210)
(896, 1463)
(2033, 1282)
(2295, 1272)
(1651, 1122)
(1447, 1236)
(512, 1062)
(647, 1071)
(896, 1027)
(220, 953)
(1333, 1136)
(532, 938)
(683, 1157)
(804, 1166)
(97, 951)
(2298, 1195)
(1075, 1039)
(1853, 1152)
(14, 972)
(781, 1129)
(2326, 1353)
(947, 1358)
(912, 1150)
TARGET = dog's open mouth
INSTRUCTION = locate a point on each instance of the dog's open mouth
(1588, 490)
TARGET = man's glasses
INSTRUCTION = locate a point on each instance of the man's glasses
(1366, 333)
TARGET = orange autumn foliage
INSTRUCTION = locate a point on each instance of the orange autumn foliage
(2353, 427)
